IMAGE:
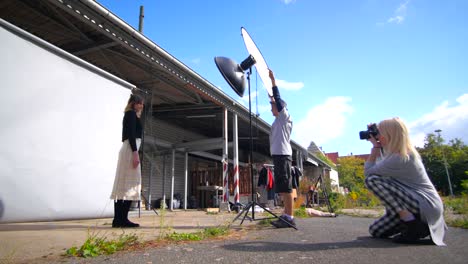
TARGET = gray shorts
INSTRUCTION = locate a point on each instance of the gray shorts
(282, 172)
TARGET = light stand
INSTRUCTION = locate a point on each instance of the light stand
(146, 112)
(324, 192)
(234, 75)
(445, 162)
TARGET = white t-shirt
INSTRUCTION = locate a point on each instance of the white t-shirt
(280, 135)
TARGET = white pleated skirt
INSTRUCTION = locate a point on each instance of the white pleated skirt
(127, 183)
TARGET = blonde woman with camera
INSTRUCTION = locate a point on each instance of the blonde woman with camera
(396, 175)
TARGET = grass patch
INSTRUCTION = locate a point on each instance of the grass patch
(164, 228)
(96, 245)
(184, 237)
(209, 232)
(266, 222)
(215, 231)
(8, 257)
(458, 205)
(300, 212)
(461, 222)
(456, 211)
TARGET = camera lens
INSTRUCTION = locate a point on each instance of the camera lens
(364, 135)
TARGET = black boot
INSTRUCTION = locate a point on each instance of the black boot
(412, 232)
(391, 232)
(127, 223)
(118, 221)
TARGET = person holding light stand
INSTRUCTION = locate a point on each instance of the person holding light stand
(281, 151)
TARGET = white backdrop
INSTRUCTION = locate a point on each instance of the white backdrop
(60, 133)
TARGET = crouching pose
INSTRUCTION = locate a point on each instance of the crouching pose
(414, 209)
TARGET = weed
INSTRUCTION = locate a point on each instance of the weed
(300, 212)
(457, 204)
(461, 222)
(164, 229)
(209, 232)
(9, 256)
(96, 245)
(265, 222)
(456, 211)
(184, 236)
(215, 231)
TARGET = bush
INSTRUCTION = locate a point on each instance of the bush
(367, 199)
(458, 204)
(300, 212)
(300, 201)
(337, 201)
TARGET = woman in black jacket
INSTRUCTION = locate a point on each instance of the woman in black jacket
(127, 183)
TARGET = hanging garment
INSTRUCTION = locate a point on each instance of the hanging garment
(263, 177)
(296, 174)
(271, 181)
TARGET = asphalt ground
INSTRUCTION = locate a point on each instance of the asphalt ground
(343, 239)
(44, 242)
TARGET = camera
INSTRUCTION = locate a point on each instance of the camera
(371, 130)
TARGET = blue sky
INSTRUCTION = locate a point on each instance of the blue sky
(339, 64)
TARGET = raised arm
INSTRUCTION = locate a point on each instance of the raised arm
(276, 95)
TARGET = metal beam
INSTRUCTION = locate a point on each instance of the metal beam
(95, 15)
(95, 47)
(185, 108)
(215, 157)
(142, 65)
(203, 144)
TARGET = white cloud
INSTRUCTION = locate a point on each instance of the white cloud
(323, 122)
(242, 102)
(452, 119)
(402, 8)
(287, 2)
(263, 109)
(399, 14)
(245, 99)
(290, 86)
(396, 19)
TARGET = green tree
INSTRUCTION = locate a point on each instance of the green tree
(434, 155)
(351, 173)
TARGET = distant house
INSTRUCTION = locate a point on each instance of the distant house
(334, 156)
(361, 156)
(333, 174)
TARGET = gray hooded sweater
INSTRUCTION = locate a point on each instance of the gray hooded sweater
(413, 177)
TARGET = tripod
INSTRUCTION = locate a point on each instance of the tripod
(253, 203)
(324, 192)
